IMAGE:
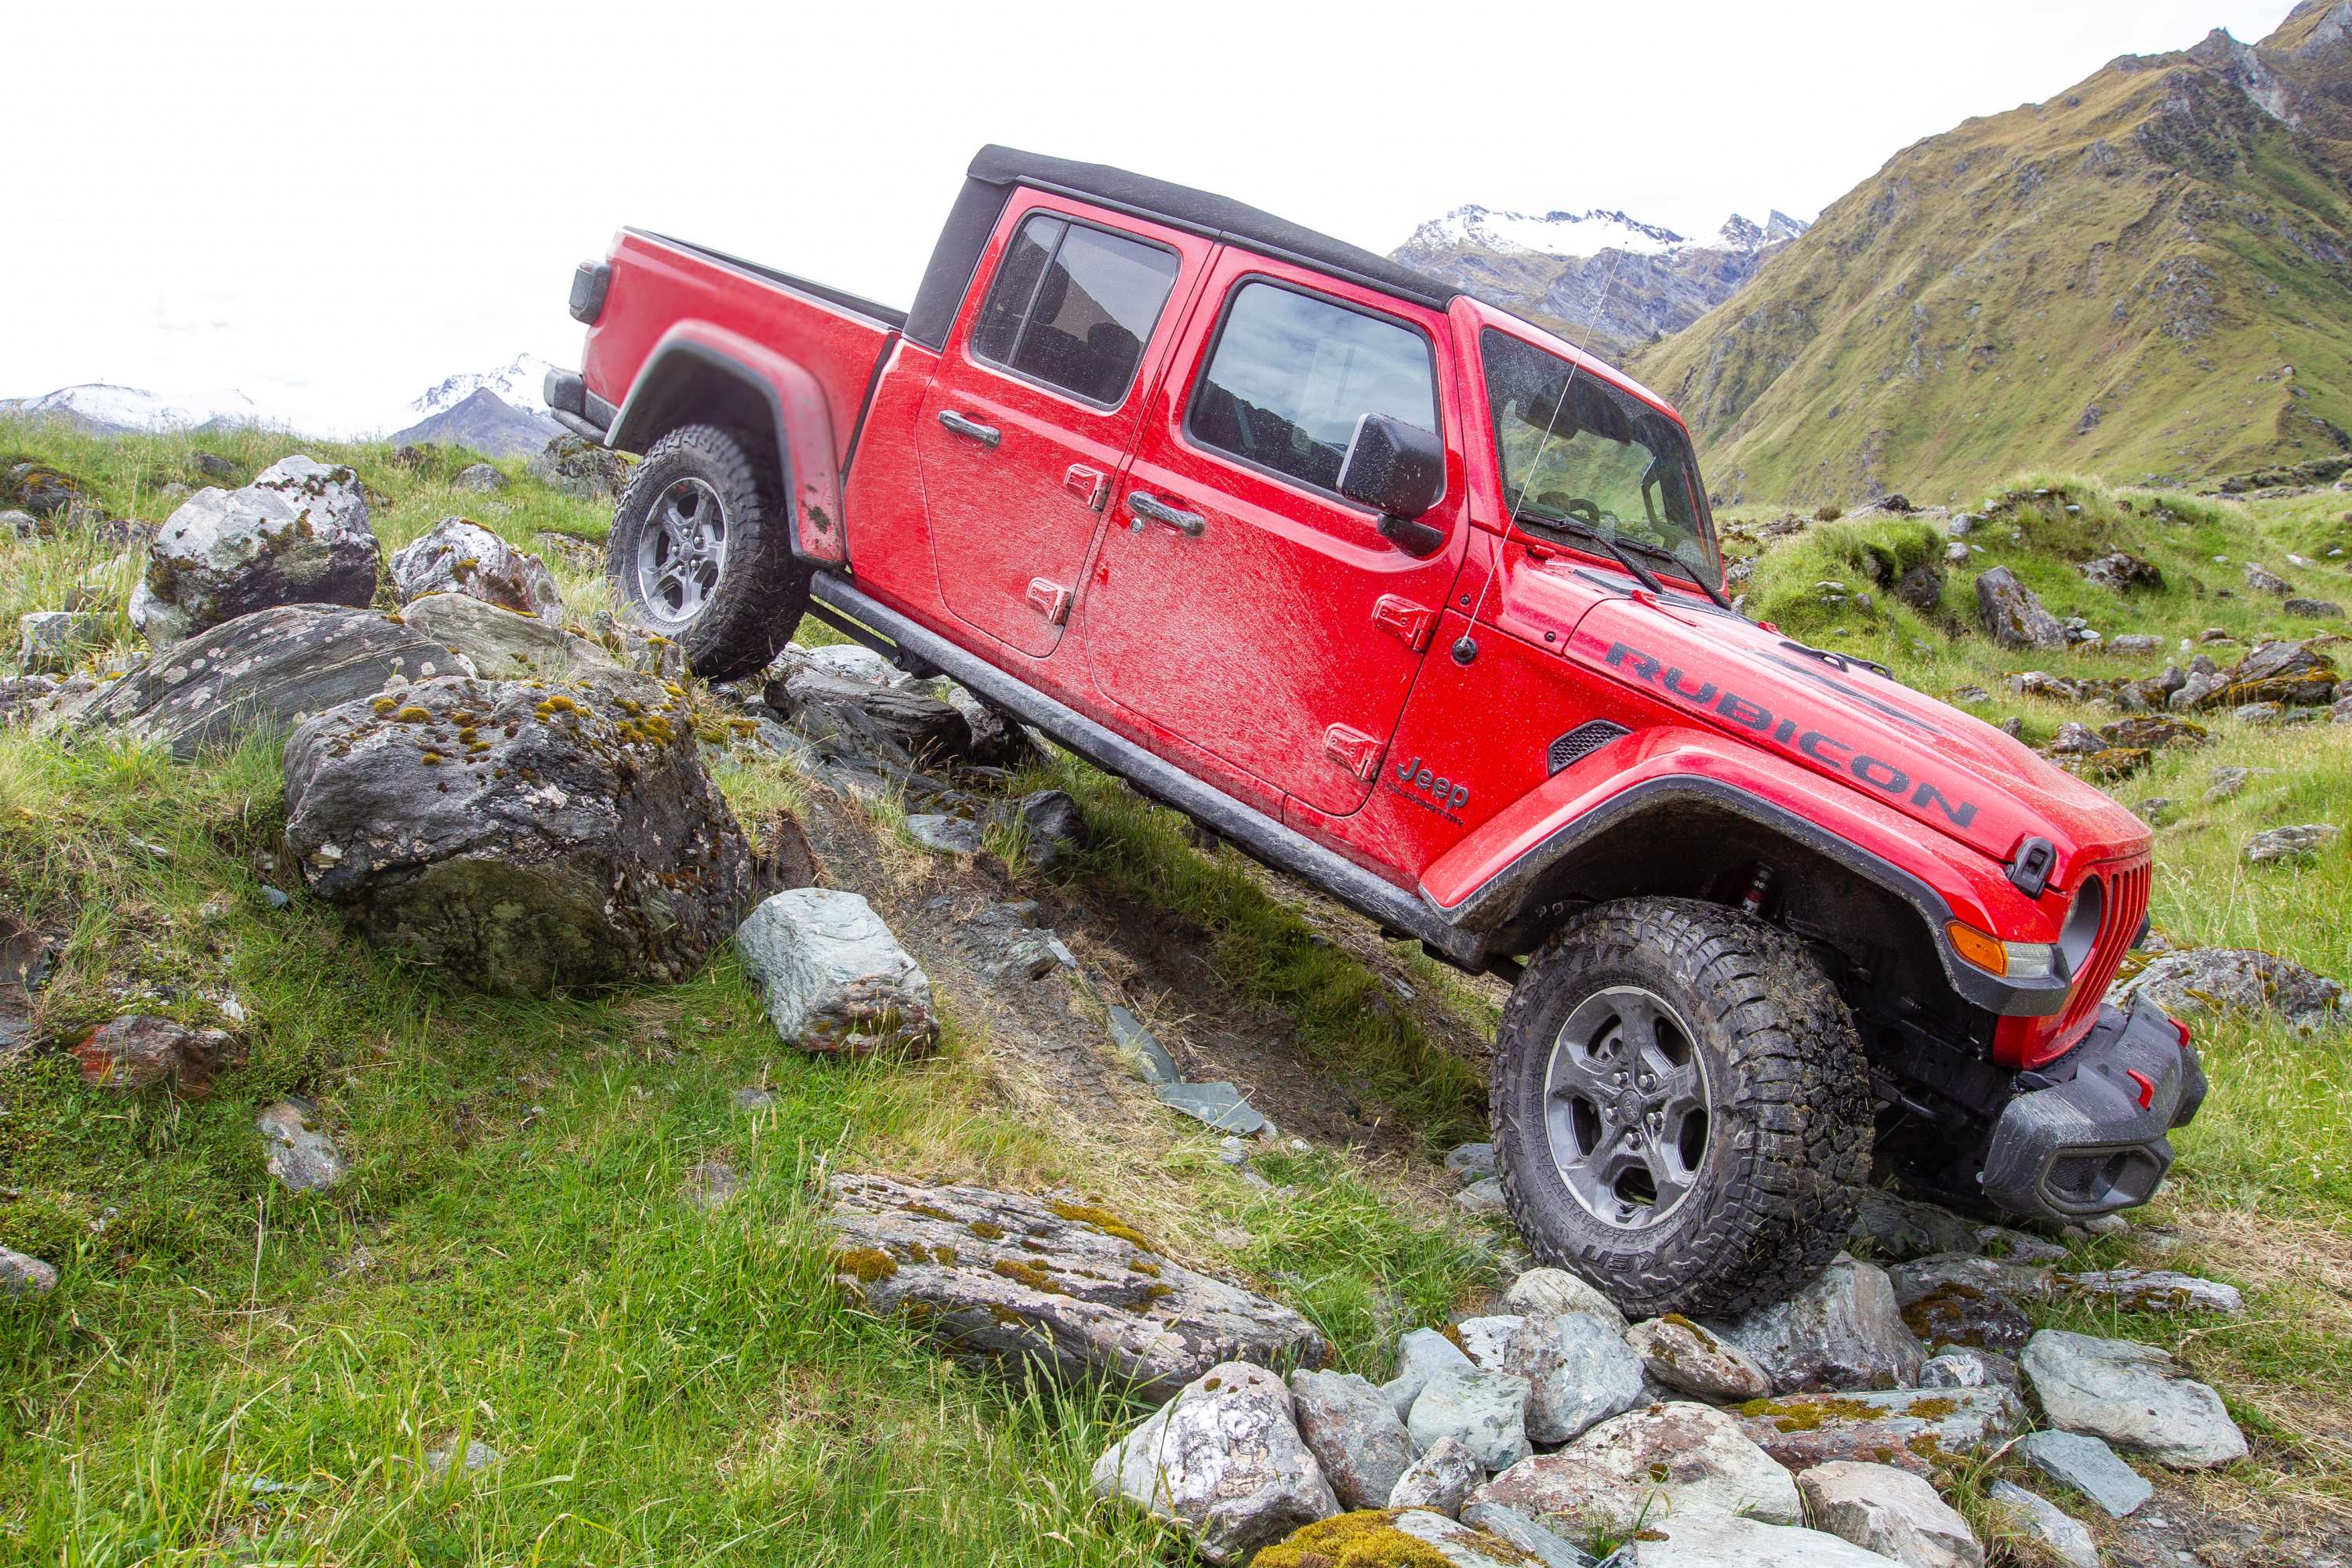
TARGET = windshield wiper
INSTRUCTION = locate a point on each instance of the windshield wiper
(1625, 557)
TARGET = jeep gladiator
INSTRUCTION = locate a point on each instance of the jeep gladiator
(1413, 600)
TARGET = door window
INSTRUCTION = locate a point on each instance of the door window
(1073, 306)
(1292, 374)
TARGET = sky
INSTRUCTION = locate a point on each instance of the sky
(331, 207)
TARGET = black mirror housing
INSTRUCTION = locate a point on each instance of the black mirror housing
(1397, 469)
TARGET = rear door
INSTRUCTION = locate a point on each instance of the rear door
(1034, 406)
(1270, 623)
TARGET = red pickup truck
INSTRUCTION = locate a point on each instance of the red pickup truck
(1413, 600)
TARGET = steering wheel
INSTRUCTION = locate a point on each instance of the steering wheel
(1567, 505)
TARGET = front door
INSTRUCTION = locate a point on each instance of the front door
(1034, 406)
(1239, 601)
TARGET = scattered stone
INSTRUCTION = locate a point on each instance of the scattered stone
(479, 1456)
(2134, 643)
(2155, 1291)
(51, 642)
(1055, 827)
(296, 1155)
(2158, 731)
(1417, 1537)
(2201, 982)
(2299, 843)
(138, 1052)
(2315, 609)
(2047, 1523)
(1441, 1479)
(1219, 1105)
(1421, 1354)
(712, 1184)
(1956, 1366)
(1482, 1198)
(581, 467)
(2090, 1467)
(1843, 1330)
(1357, 1437)
(1681, 1355)
(944, 835)
(2228, 782)
(40, 490)
(2264, 581)
(1486, 1412)
(832, 976)
(1921, 588)
(2120, 572)
(1895, 1229)
(479, 478)
(1578, 1370)
(2133, 1395)
(1222, 1462)
(2074, 740)
(578, 554)
(1704, 1540)
(754, 1098)
(1905, 1428)
(298, 534)
(1970, 694)
(1133, 1040)
(520, 839)
(1892, 1513)
(1663, 1461)
(1468, 1162)
(868, 725)
(25, 1276)
(2012, 615)
(1509, 1525)
(2258, 713)
(456, 556)
(1558, 1293)
(1963, 1299)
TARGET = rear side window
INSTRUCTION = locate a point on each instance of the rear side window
(1293, 373)
(1073, 306)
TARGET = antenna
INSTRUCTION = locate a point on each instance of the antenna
(1575, 368)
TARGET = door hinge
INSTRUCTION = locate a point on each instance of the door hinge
(1049, 599)
(1412, 622)
(1353, 749)
(1089, 484)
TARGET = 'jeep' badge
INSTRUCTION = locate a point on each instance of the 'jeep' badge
(1419, 782)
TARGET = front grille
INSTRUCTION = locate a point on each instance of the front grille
(2126, 889)
(1582, 742)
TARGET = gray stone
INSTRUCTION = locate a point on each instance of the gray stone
(2134, 643)
(712, 1184)
(1355, 1435)
(21, 526)
(2082, 1462)
(1142, 1047)
(582, 468)
(1486, 1412)
(479, 1456)
(1051, 1281)
(1421, 1354)
(1558, 1293)
(1705, 1540)
(1960, 1298)
(298, 534)
(457, 556)
(944, 835)
(1577, 1371)
(2194, 983)
(1684, 1356)
(1482, 1198)
(1056, 828)
(520, 838)
(2154, 1291)
(1219, 1105)
(25, 1276)
(2118, 571)
(2228, 782)
(481, 478)
(500, 643)
(1966, 1366)
(1222, 1462)
(138, 1051)
(2315, 609)
(1441, 1479)
(1659, 1462)
(1843, 1330)
(2047, 1523)
(1911, 1428)
(1524, 1535)
(2134, 1396)
(1892, 1513)
(2261, 580)
(1468, 1162)
(1896, 1228)
(832, 976)
(300, 1158)
(51, 642)
(2011, 613)
(2300, 842)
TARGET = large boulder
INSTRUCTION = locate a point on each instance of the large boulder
(1578, 1371)
(2012, 615)
(1889, 1512)
(1708, 1540)
(1222, 1461)
(2132, 1394)
(581, 467)
(520, 838)
(1442, 1479)
(832, 976)
(458, 556)
(1062, 1285)
(1914, 1429)
(1843, 1330)
(2201, 982)
(298, 534)
(1354, 1434)
(1663, 1460)
(1684, 1356)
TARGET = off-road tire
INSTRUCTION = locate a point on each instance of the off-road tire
(762, 589)
(1789, 1109)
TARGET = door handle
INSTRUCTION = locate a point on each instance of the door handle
(986, 435)
(1148, 506)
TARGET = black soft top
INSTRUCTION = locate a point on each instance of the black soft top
(996, 169)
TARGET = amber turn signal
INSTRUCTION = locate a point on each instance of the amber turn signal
(1989, 953)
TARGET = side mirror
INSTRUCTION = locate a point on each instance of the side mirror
(1399, 470)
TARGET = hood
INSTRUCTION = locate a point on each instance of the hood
(1948, 771)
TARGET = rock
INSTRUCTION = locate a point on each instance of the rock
(711, 1184)
(1954, 1366)
(1963, 1299)
(2264, 581)
(1516, 1529)
(1357, 1437)
(2315, 609)
(1905, 1428)
(2135, 645)
(1702, 1540)
(1221, 1105)
(1441, 1480)
(2229, 782)
(1557, 1291)
(456, 556)
(25, 1276)
(1895, 1229)
(2154, 1291)
(2011, 613)
(946, 835)
(2120, 571)
(856, 719)
(1482, 1199)
(581, 467)
(832, 976)
(2045, 1522)
(1056, 828)
(1578, 1370)
(2196, 689)
(2074, 740)
(520, 838)
(2300, 842)
(2201, 982)
(1421, 1354)
(1468, 1162)
(1222, 1462)
(295, 1153)
(1921, 588)
(2280, 658)
(579, 554)
(1843, 1330)
(479, 478)
(40, 490)
(51, 642)
(1892, 1513)
(2158, 731)
(1486, 1412)
(478, 1456)
(298, 534)
(1681, 1355)
(1051, 1281)
(498, 644)
(136, 1052)
(2258, 713)
(1660, 1461)
(21, 526)
(2090, 1467)
(1408, 1537)
(2134, 1396)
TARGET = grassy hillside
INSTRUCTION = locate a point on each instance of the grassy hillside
(2149, 275)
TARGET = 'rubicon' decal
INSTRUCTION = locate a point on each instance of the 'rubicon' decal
(1707, 696)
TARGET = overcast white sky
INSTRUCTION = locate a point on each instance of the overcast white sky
(330, 206)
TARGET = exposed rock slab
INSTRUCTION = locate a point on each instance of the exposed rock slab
(1685, 1356)
(1222, 1462)
(1911, 1429)
(1843, 1330)
(1892, 1513)
(1509, 1525)
(2154, 1291)
(832, 976)
(2011, 614)
(502, 644)
(1558, 1291)
(1578, 1370)
(1486, 1412)
(1662, 1460)
(2047, 1523)
(2203, 981)
(2079, 1461)
(299, 535)
(1706, 1540)
(2134, 1395)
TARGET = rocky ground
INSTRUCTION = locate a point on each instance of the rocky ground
(472, 1093)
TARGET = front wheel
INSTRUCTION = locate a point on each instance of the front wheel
(701, 550)
(1681, 1108)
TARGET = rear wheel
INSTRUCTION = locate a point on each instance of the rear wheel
(1681, 1108)
(701, 550)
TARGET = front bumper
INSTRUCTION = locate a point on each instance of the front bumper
(2082, 1143)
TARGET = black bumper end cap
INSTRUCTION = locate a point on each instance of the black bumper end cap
(2083, 1144)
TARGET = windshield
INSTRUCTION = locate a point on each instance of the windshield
(1578, 454)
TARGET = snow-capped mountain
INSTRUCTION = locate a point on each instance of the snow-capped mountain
(110, 410)
(1544, 233)
(518, 384)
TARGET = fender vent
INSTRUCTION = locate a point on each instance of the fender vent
(1582, 742)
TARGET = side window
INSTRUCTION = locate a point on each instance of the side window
(1293, 373)
(1073, 307)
